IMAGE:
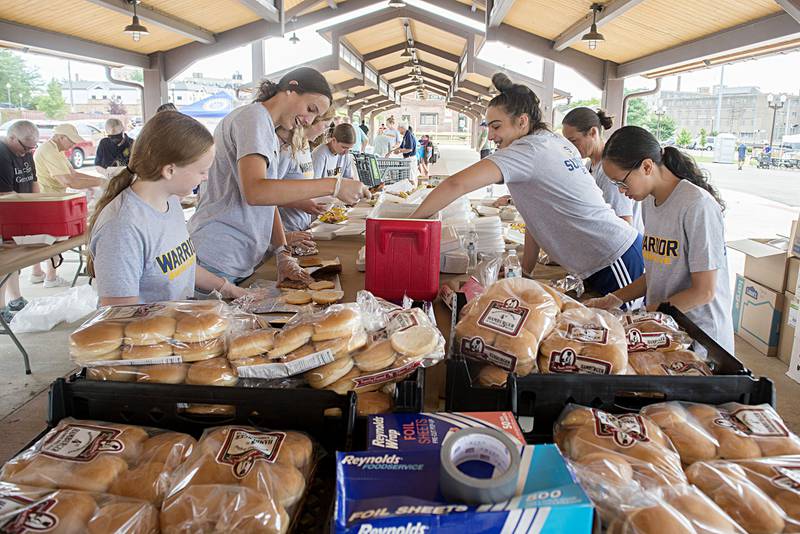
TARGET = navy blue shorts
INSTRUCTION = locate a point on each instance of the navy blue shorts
(619, 274)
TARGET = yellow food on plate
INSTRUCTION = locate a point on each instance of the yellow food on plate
(335, 214)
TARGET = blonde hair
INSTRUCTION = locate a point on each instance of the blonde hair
(168, 138)
(299, 140)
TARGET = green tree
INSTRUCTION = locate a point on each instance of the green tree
(702, 137)
(638, 113)
(20, 79)
(663, 127)
(684, 138)
(593, 103)
(52, 103)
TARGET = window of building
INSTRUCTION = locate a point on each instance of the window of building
(179, 97)
(428, 119)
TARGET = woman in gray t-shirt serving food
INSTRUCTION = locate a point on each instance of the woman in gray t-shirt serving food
(140, 248)
(236, 220)
(684, 242)
(563, 209)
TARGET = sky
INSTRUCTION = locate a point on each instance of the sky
(769, 73)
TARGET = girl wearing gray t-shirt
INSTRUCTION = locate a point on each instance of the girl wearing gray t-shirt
(684, 241)
(140, 248)
(563, 209)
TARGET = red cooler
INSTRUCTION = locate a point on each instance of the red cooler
(56, 214)
(402, 254)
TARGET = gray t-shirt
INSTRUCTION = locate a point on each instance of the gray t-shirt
(295, 166)
(562, 206)
(329, 165)
(230, 235)
(685, 235)
(622, 205)
(139, 251)
(383, 144)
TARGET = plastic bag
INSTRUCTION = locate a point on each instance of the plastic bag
(26, 509)
(505, 325)
(124, 460)
(569, 283)
(623, 448)
(487, 272)
(654, 331)
(731, 431)
(673, 363)
(585, 340)
(41, 314)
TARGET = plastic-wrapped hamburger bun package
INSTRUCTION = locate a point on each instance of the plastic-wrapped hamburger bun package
(25, 509)
(654, 331)
(673, 363)
(95, 456)
(505, 325)
(585, 340)
(158, 333)
(273, 464)
(630, 447)
(693, 441)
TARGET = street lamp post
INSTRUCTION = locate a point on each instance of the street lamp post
(774, 104)
(659, 113)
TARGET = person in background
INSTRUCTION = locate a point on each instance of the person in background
(584, 128)
(54, 174)
(361, 139)
(382, 144)
(684, 244)
(333, 158)
(364, 128)
(17, 175)
(408, 148)
(393, 134)
(563, 210)
(236, 222)
(484, 146)
(423, 155)
(169, 106)
(742, 149)
(114, 150)
(140, 248)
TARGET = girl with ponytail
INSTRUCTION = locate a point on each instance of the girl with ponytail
(140, 248)
(236, 221)
(584, 128)
(684, 242)
(563, 209)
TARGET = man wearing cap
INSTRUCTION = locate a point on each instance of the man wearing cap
(483, 141)
(53, 169)
(55, 173)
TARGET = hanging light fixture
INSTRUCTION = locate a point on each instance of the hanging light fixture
(406, 53)
(593, 36)
(135, 28)
(397, 3)
(294, 39)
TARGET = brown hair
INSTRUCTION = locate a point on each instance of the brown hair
(301, 80)
(517, 100)
(584, 119)
(299, 141)
(344, 133)
(169, 137)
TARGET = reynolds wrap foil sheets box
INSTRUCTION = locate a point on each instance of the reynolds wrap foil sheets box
(414, 431)
(398, 492)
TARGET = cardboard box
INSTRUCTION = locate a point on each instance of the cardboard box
(757, 314)
(791, 306)
(792, 270)
(794, 241)
(764, 264)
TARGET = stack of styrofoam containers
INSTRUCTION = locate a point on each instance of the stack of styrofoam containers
(490, 234)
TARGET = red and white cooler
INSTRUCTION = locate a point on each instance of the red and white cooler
(402, 254)
(56, 214)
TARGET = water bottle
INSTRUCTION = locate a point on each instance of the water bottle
(512, 265)
(472, 249)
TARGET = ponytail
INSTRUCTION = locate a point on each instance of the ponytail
(584, 119)
(630, 145)
(517, 100)
(121, 181)
(301, 80)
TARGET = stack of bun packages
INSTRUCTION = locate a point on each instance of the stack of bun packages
(504, 327)
(27, 510)
(239, 479)
(168, 342)
(657, 346)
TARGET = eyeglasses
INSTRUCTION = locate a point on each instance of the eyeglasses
(26, 147)
(622, 183)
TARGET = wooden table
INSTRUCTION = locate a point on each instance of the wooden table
(14, 258)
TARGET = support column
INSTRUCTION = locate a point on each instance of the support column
(613, 95)
(155, 86)
(546, 98)
(259, 60)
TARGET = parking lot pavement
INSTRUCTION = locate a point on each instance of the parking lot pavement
(778, 185)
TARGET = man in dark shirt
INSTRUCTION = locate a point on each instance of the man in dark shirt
(17, 175)
(114, 150)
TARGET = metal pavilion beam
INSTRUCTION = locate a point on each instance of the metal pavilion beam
(610, 11)
(496, 11)
(157, 18)
(270, 10)
(792, 7)
(301, 8)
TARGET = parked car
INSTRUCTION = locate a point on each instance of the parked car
(695, 144)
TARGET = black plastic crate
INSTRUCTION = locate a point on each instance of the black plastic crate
(368, 171)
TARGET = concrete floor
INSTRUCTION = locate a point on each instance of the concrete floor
(23, 398)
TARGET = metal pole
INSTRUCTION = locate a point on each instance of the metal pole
(718, 120)
(69, 81)
(772, 128)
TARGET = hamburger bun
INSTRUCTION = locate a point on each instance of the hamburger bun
(100, 338)
(373, 402)
(114, 373)
(213, 372)
(609, 467)
(309, 261)
(358, 341)
(339, 347)
(704, 515)
(97, 475)
(210, 409)
(416, 341)
(656, 520)
(324, 376)
(168, 448)
(163, 373)
(115, 354)
(283, 482)
(376, 357)
(291, 284)
(202, 350)
(345, 384)
(341, 323)
(137, 352)
(291, 339)
(253, 360)
(72, 509)
(691, 440)
(491, 376)
(251, 344)
(321, 284)
(129, 517)
(199, 327)
(150, 330)
(674, 363)
(298, 297)
(327, 296)
(148, 482)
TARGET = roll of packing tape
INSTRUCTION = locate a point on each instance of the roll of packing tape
(486, 445)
